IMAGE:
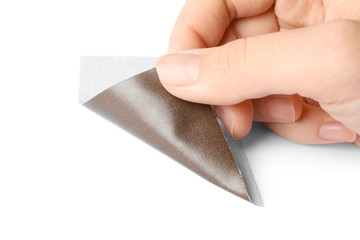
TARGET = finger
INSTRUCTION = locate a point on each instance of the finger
(314, 126)
(265, 22)
(237, 119)
(203, 23)
(275, 63)
(277, 108)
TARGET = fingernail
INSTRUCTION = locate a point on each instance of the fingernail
(280, 109)
(226, 120)
(336, 132)
(178, 69)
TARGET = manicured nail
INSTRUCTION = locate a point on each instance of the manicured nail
(280, 109)
(178, 69)
(226, 120)
(336, 132)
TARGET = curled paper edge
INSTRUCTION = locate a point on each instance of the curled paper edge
(98, 74)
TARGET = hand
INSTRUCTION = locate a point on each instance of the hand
(292, 64)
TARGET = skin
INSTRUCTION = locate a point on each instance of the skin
(292, 64)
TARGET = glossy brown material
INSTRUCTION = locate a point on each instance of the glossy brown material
(187, 132)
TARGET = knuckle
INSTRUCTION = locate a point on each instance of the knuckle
(346, 34)
(344, 55)
(228, 63)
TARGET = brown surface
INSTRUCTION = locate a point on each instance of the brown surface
(187, 132)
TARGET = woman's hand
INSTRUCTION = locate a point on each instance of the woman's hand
(293, 64)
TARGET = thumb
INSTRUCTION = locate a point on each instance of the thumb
(307, 61)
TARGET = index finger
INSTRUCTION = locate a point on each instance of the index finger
(202, 23)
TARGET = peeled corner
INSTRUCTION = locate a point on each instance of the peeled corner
(128, 92)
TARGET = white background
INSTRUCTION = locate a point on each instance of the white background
(66, 173)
